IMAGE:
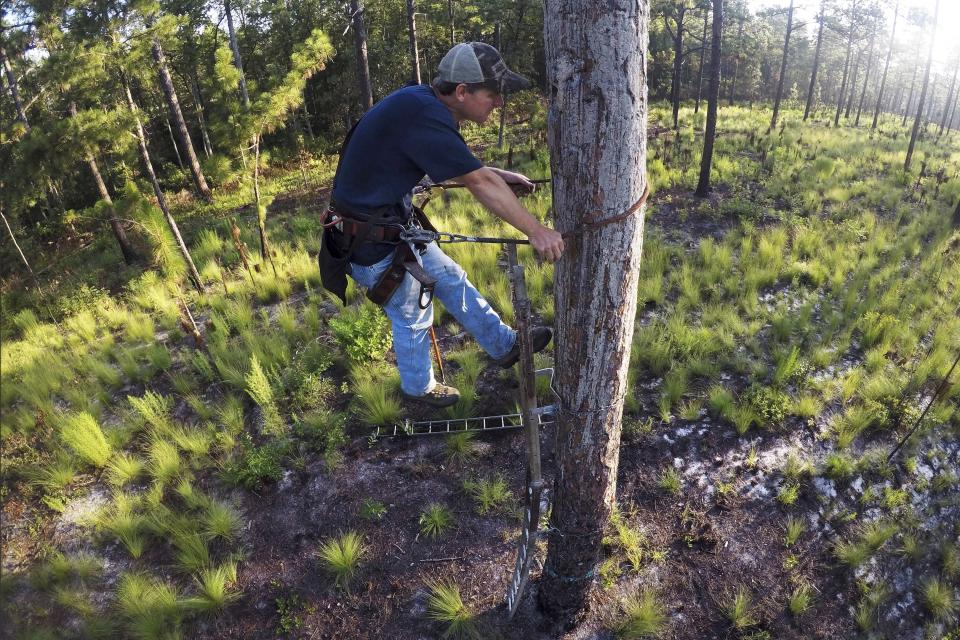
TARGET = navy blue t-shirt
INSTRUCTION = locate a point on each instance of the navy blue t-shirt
(405, 136)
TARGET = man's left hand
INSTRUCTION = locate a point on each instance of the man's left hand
(519, 183)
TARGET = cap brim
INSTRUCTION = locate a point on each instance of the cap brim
(512, 82)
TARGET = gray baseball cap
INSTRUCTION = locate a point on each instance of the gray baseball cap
(479, 63)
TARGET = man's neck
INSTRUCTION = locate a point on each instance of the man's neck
(450, 103)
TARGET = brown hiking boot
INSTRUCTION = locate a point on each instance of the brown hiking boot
(440, 396)
(539, 337)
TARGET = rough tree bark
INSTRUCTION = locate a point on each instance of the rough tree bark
(503, 107)
(450, 17)
(923, 90)
(360, 46)
(596, 61)
(201, 120)
(913, 85)
(956, 215)
(783, 68)
(713, 97)
(886, 67)
(199, 181)
(192, 272)
(816, 64)
(703, 50)
(235, 48)
(414, 51)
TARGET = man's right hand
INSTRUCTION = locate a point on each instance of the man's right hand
(547, 242)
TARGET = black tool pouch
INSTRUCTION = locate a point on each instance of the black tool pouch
(404, 262)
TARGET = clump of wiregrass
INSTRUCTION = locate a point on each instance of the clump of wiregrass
(341, 557)
(794, 528)
(221, 520)
(435, 520)
(124, 468)
(800, 599)
(489, 494)
(375, 392)
(670, 481)
(626, 538)
(460, 447)
(121, 520)
(259, 388)
(150, 606)
(82, 433)
(939, 599)
(643, 617)
(154, 410)
(164, 460)
(867, 540)
(445, 605)
(737, 607)
(215, 589)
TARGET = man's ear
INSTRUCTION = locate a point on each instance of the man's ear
(461, 92)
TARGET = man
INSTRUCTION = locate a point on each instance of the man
(411, 133)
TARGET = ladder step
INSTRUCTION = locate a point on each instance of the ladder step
(460, 425)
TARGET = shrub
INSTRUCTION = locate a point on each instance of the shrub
(364, 333)
(257, 465)
(769, 405)
(81, 433)
(372, 509)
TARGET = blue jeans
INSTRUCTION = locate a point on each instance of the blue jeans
(411, 324)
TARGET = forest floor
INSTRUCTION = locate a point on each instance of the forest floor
(745, 468)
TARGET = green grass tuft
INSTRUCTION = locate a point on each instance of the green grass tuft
(341, 557)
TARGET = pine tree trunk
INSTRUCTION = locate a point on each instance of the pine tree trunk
(503, 107)
(414, 51)
(677, 62)
(16, 244)
(736, 62)
(235, 48)
(450, 18)
(816, 65)
(886, 67)
(913, 84)
(956, 215)
(703, 49)
(129, 253)
(843, 83)
(783, 68)
(198, 101)
(595, 177)
(923, 92)
(866, 79)
(360, 46)
(158, 192)
(713, 98)
(14, 90)
(176, 147)
(199, 182)
(853, 85)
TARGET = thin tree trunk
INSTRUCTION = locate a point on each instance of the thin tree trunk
(414, 51)
(237, 60)
(703, 50)
(199, 182)
(913, 84)
(363, 65)
(595, 177)
(198, 101)
(956, 215)
(14, 90)
(450, 17)
(783, 68)
(816, 65)
(846, 71)
(713, 97)
(736, 61)
(677, 62)
(853, 85)
(129, 253)
(192, 272)
(886, 66)
(503, 107)
(923, 91)
(866, 79)
(16, 244)
(176, 147)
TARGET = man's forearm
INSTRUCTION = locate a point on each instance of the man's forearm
(488, 186)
